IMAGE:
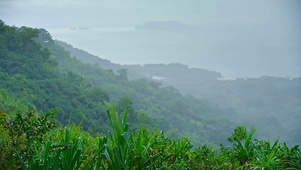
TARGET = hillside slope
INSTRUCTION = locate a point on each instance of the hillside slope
(45, 76)
(270, 103)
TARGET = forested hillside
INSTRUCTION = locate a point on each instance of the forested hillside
(59, 113)
(44, 76)
(270, 103)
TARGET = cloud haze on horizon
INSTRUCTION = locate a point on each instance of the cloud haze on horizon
(258, 24)
(114, 13)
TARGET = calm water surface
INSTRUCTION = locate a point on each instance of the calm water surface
(234, 53)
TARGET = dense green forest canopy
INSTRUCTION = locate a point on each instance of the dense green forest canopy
(40, 72)
(44, 76)
(37, 74)
(29, 141)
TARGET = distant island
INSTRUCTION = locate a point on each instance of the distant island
(163, 25)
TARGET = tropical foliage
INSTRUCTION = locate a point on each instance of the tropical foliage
(159, 129)
(120, 148)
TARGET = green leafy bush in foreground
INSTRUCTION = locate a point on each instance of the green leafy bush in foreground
(31, 142)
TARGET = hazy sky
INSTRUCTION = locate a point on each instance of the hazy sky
(111, 13)
(257, 32)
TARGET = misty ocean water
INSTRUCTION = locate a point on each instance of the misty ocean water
(233, 53)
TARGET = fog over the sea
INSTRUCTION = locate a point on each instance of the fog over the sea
(248, 38)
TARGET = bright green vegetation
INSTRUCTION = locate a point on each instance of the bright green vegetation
(43, 76)
(32, 142)
(86, 130)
